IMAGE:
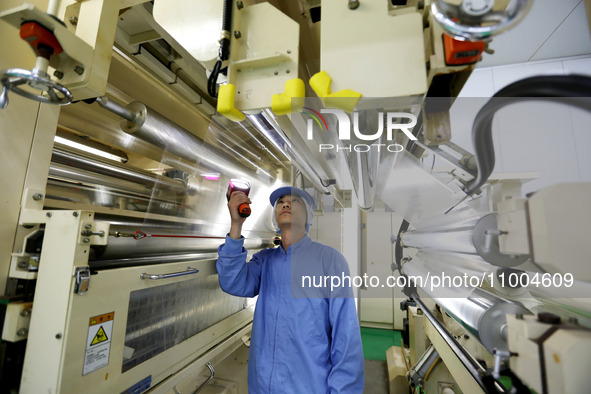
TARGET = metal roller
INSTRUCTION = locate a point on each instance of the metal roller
(485, 315)
(477, 236)
(150, 126)
(479, 311)
(77, 159)
(74, 175)
(122, 244)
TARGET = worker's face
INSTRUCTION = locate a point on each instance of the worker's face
(290, 210)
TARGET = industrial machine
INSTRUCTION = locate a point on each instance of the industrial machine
(124, 122)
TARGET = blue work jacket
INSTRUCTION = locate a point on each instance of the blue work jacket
(299, 344)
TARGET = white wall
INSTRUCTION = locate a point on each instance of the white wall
(550, 139)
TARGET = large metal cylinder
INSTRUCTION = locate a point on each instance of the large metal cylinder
(477, 236)
(169, 241)
(154, 128)
(480, 312)
(111, 169)
(74, 175)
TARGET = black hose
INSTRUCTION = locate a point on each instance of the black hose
(212, 80)
(224, 53)
(573, 90)
(226, 31)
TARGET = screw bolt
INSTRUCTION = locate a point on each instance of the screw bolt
(75, 214)
(22, 332)
(287, 71)
(88, 226)
(79, 70)
(37, 196)
(25, 313)
(58, 335)
(86, 240)
(58, 74)
(48, 214)
(353, 4)
(22, 265)
(73, 20)
(237, 34)
(240, 5)
(276, 73)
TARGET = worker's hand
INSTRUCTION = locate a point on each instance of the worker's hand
(236, 199)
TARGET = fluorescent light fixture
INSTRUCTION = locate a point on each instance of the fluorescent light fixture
(89, 149)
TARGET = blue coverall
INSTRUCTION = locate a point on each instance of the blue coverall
(298, 344)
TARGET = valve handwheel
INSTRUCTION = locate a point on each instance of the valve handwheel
(26, 82)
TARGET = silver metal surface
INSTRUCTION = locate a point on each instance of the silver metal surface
(151, 260)
(487, 245)
(154, 128)
(463, 26)
(128, 247)
(82, 276)
(189, 271)
(484, 314)
(471, 365)
(15, 79)
(469, 236)
(162, 317)
(77, 176)
(212, 374)
(78, 159)
(115, 108)
(289, 147)
(481, 312)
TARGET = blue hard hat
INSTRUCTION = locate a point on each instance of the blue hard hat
(285, 190)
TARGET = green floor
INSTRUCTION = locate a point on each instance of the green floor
(376, 341)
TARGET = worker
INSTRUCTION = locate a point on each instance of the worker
(302, 342)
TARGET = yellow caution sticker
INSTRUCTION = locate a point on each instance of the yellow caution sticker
(100, 336)
(98, 342)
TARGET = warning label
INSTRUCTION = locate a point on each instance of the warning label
(98, 342)
(99, 337)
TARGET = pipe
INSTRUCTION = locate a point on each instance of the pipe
(364, 165)
(116, 108)
(52, 7)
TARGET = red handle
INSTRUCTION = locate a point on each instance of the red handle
(244, 210)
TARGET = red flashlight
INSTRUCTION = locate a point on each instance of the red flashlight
(239, 185)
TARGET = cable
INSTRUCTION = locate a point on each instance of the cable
(224, 53)
(574, 90)
(213, 78)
